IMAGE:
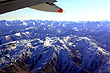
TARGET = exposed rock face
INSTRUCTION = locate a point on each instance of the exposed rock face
(54, 47)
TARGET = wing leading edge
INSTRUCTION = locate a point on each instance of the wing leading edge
(43, 5)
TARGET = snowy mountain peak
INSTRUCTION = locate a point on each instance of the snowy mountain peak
(49, 46)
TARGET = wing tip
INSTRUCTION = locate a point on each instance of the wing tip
(60, 10)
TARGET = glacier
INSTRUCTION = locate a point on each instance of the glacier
(37, 46)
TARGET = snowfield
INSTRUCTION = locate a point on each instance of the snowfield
(37, 46)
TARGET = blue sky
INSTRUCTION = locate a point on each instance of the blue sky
(74, 10)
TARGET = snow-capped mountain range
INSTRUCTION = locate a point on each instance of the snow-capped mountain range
(38, 46)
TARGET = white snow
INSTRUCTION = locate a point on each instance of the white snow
(24, 23)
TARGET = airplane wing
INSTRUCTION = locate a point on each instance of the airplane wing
(43, 5)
